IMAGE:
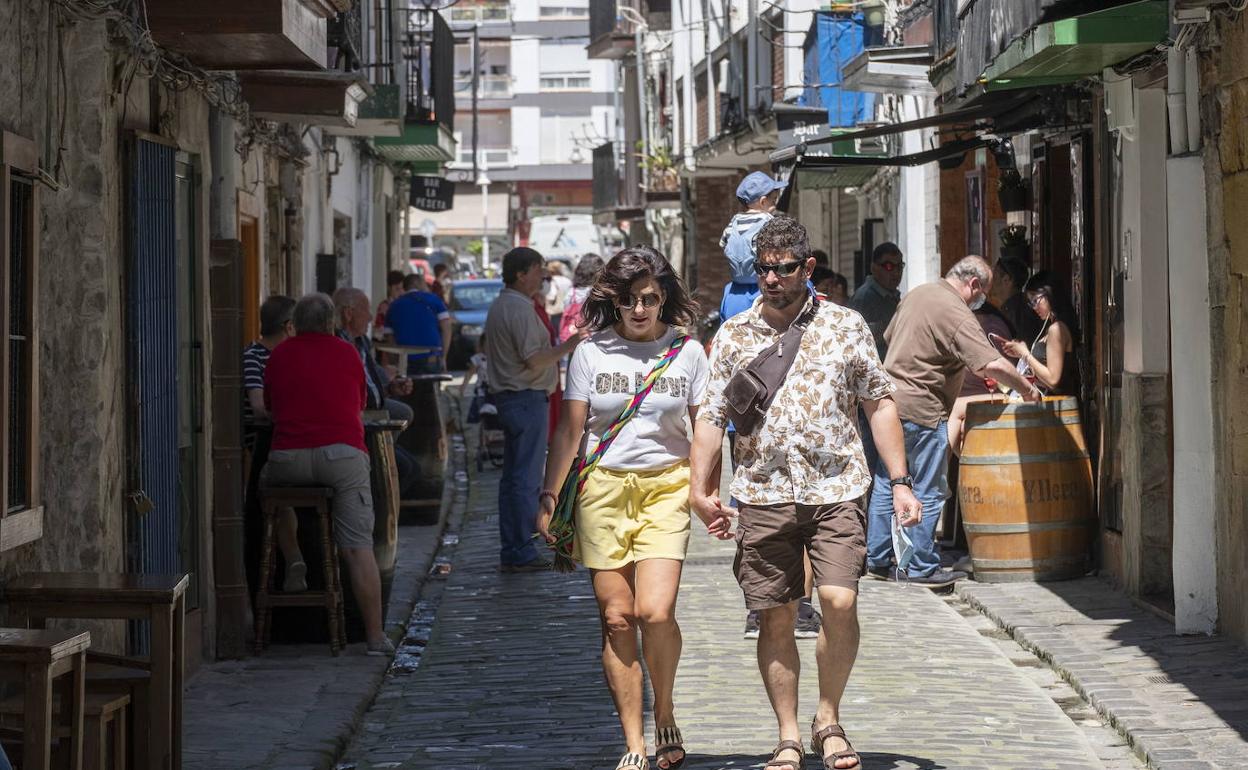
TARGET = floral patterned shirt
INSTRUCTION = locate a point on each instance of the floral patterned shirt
(807, 449)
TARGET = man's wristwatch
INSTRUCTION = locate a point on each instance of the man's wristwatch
(902, 481)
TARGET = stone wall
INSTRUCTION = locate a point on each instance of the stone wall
(79, 311)
(1224, 108)
(714, 204)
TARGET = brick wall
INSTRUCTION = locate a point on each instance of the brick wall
(714, 203)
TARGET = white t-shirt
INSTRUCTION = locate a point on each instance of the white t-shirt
(483, 373)
(607, 371)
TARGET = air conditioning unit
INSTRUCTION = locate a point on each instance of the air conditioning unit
(874, 145)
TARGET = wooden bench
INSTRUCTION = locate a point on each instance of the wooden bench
(275, 500)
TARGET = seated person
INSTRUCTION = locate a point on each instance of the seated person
(353, 316)
(314, 389)
(419, 318)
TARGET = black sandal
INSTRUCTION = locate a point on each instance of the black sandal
(666, 741)
(634, 761)
(799, 763)
(817, 738)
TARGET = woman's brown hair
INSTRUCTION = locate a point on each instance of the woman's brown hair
(617, 279)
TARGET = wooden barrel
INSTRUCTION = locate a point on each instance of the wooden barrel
(426, 440)
(384, 477)
(1025, 487)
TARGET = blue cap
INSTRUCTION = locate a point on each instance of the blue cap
(755, 185)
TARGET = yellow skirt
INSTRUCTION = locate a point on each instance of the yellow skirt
(627, 516)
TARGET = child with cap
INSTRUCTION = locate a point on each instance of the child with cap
(755, 193)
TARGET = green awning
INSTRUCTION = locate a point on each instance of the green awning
(1069, 49)
(421, 141)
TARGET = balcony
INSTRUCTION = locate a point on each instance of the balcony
(316, 98)
(428, 54)
(611, 34)
(245, 34)
(488, 87)
(482, 13)
(617, 196)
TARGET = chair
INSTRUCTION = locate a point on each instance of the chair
(274, 500)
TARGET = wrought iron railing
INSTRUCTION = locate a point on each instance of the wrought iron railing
(429, 53)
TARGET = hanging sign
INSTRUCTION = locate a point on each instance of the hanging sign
(432, 193)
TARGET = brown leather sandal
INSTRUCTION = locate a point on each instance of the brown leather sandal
(799, 763)
(817, 737)
(668, 740)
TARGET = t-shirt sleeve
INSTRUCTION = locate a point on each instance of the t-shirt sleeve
(723, 238)
(439, 308)
(714, 407)
(253, 371)
(580, 380)
(699, 372)
(871, 381)
(971, 345)
(531, 334)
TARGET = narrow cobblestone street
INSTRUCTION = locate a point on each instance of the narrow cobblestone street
(510, 676)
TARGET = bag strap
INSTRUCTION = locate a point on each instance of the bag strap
(613, 430)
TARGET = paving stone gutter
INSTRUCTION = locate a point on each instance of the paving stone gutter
(1178, 700)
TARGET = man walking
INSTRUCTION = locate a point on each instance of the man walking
(799, 481)
(933, 339)
(876, 299)
(524, 370)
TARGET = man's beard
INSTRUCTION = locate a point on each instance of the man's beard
(787, 297)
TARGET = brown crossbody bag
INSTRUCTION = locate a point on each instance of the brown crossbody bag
(751, 390)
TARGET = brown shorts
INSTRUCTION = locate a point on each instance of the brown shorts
(770, 541)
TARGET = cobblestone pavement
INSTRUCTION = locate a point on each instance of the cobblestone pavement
(1179, 700)
(510, 677)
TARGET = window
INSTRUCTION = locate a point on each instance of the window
(563, 12)
(21, 517)
(571, 81)
(475, 14)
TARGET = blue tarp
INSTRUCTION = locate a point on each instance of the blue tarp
(834, 39)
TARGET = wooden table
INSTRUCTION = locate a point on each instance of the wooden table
(159, 599)
(40, 657)
(403, 351)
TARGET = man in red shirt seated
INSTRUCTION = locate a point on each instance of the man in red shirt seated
(314, 388)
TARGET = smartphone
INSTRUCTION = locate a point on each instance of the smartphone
(997, 339)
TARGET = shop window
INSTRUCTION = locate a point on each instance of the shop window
(21, 517)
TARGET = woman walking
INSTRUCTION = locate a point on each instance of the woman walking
(1051, 356)
(632, 516)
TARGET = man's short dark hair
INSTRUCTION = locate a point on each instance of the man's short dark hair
(519, 260)
(821, 258)
(885, 249)
(275, 313)
(1016, 269)
(783, 235)
(820, 274)
(414, 281)
(394, 278)
(440, 268)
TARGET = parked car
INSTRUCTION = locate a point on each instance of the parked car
(470, 302)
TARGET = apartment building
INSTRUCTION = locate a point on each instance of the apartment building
(541, 107)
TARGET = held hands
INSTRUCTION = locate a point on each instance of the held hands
(715, 515)
(906, 507)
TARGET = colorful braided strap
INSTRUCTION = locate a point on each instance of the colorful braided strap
(563, 522)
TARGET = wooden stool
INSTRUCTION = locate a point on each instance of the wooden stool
(135, 683)
(100, 713)
(40, 657)
(275, 499)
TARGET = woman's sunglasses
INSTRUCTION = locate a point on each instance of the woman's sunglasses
(628, 301)
(782, 269)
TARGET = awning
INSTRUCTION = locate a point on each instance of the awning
(890, 70)
(1069, 49)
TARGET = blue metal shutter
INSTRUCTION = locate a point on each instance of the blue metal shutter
(152, 365)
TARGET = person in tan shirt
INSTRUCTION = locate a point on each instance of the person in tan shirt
(932, 341)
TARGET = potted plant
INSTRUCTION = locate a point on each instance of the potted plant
(1012, 190)
(1014, 243)
(661, 167)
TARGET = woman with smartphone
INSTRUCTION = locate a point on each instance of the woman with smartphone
(1051, 356)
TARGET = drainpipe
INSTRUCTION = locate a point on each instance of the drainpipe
(689, 127)
(639, 53)
(712, 96)
(1176, 100)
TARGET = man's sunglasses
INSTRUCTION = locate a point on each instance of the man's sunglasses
(891, 266)
(628, 301)
(782, 269)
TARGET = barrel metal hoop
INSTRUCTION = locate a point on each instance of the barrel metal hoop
(1036, 564)
(1047, 457)
(1037, 421)
(1043, 407)
(1024, 527)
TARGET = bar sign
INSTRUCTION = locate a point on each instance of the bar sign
(432, 193)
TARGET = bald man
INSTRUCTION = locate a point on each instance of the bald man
(933, 339)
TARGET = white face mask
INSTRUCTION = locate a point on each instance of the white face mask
(978, 302)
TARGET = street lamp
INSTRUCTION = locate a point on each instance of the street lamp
(483, 181)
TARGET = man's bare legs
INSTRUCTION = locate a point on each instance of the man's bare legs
(780, 666)
(835, 653)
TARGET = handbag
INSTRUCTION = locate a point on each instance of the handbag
(563, 522)
(751, 390)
